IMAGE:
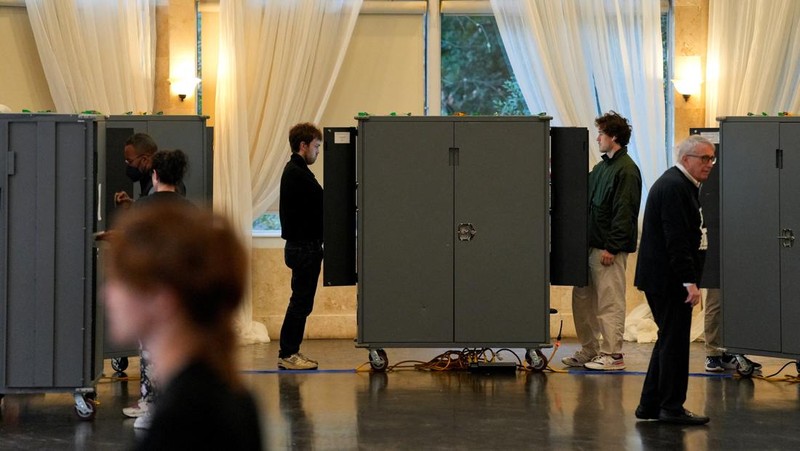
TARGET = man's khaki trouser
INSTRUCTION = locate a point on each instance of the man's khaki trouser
(598, 309)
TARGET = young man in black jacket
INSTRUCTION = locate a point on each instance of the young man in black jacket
(669, 267)
(615, 190)
(301, 225)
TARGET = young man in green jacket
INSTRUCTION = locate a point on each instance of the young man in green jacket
(615, 190)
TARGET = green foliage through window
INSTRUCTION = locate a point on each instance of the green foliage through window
(476, 75)
(268, 222)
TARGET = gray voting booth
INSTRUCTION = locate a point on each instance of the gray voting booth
(50, 207)
(451, 243)
(760, 182)
(186, 132)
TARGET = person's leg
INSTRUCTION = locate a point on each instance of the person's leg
(584, 310)
(305, 263)
(674, 332)
(713, 323)
(146, 388)
(650, 402)
(146, 383)
(610, 284)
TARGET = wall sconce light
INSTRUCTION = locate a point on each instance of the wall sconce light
(183, 86)
(688, 76)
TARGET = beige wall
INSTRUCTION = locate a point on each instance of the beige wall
(176, 54)
(691, 37)
(22, 81)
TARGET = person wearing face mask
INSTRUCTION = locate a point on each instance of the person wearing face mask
(138, 151)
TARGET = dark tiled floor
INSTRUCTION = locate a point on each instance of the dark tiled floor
(337, 408)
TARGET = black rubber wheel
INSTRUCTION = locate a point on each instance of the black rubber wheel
(119, 364)
(378, 360)
(87, 416)
(747, 371)
(538, 364)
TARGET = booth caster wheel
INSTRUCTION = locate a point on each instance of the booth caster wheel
(745, 368)
(536, 360)
(85, 406)
(378, 360)
(119, 364)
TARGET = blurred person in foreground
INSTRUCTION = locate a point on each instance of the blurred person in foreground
(175, 278)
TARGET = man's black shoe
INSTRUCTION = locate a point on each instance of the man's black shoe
(681, 417)
(644, 414)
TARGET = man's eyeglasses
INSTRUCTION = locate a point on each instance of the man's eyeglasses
(130, 162)
(704, 158)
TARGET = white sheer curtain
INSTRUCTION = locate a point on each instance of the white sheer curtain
(753, 58)
(543, 43)
(575, 59)
(277, 65)
(623, 44)
(97, 54)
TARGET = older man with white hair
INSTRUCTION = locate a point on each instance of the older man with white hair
(671, 255)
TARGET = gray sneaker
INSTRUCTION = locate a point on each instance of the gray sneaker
(576, 360)
(296, 362)
(307, 358)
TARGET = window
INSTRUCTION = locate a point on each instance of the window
(268, 224)
(476, 75)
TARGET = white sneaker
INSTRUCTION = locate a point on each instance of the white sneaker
(576, 360)
(606, 362)
(139, 410)
(296, 362)
(143, 422)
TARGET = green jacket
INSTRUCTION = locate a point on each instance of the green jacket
(615, 192)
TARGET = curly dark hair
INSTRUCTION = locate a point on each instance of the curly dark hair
(170, 165)
(303, 133)
(612, 124)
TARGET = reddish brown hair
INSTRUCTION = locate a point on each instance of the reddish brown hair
(192, 253)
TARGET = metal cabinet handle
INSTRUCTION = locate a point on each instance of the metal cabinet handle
(787, 237)
(466, 231)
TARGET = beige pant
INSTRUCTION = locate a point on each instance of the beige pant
(598, 309)
(713, 323)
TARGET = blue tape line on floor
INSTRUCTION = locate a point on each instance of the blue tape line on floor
(644, 373)
(296, 371)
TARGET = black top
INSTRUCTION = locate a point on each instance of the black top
(198, 411)
(669, 253)
(300, 202)
(161, 197)
(145, 185)
(615, 192)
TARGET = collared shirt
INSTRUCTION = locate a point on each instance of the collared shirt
(686, 173)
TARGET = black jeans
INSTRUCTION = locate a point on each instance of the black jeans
(668, 373)
(304, 258)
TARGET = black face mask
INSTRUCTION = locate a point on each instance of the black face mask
(134, 173)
